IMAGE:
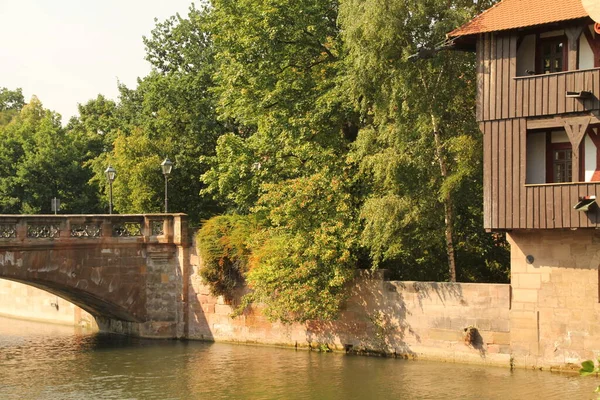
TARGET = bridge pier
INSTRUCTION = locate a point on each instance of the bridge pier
(126, 270)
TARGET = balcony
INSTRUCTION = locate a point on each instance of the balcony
(558, 93)
(550, 206)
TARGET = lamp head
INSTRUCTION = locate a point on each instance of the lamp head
(110, 173)
(166, 166)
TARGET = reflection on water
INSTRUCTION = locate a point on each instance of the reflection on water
(40, 361)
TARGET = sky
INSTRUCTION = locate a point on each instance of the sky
(68, 51)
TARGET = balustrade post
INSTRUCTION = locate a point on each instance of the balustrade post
(147, 228)
(107, 227)
(180, 229)
(21, 226)
(168, 228)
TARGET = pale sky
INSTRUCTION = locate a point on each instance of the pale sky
(68, 51)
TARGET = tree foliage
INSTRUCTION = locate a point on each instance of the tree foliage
(11, 102)
(304, 263)
(279, 63)
(171, 113)
(41, 160)
(329, 115)
(419, 146)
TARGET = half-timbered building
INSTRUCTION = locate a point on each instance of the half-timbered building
(538, 106)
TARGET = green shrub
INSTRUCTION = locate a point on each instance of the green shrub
(222, 245)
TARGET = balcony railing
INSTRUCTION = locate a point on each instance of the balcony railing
(541, 95)
(550, 206)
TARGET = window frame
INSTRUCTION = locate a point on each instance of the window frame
(551, 148)
(539, 60)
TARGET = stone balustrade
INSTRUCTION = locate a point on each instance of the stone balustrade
(145, 228)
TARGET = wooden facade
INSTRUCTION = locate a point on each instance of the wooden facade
(511, 106)
(510, 203)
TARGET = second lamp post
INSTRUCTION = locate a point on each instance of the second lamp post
(110, 174)
(166, 166)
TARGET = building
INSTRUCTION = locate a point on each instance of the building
(538, 106)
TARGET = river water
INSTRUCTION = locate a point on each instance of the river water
(40, 361)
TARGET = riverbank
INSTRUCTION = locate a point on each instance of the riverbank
(413, 320)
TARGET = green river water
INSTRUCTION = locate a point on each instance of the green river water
(40, 361)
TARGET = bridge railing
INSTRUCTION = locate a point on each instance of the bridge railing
(152, 228)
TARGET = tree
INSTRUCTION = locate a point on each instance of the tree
(420, 146)
(305, 261)
(41, 160)
(278, 66)
(332, 117)
(11, 102)
(170, 113)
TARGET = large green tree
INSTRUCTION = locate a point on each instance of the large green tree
(41, 160)
(279, 64)
(330, 116)
(171, 113)
(419, 146)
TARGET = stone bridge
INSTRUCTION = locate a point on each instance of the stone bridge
(126, 270)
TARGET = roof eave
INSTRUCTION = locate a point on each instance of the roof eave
(455, 34)
(468, 42)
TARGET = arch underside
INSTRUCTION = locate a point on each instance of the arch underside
(89, 302)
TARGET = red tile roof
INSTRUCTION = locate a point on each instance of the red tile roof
(512, 14)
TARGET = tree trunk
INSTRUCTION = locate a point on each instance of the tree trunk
(448, 206)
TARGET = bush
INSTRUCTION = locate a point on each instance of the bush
(222, 245)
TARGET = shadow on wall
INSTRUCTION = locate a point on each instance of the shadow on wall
(388, 318)
(198, 304)
(443, 292)
(375, 320)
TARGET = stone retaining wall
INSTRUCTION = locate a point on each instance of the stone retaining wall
(421, 320)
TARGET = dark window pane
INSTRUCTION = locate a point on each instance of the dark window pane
(552, 51)
(562, 167)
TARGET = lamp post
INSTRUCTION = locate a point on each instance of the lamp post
(110, 174)
(166, 166)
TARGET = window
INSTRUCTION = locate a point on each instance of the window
(552, 55)
(550, 158)
(559, 161)
(562, 165)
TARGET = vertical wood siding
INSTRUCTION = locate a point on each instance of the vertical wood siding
(496, 88)
(509, 203)
(502, 95)
(504, 102)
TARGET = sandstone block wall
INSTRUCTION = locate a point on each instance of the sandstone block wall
(555, 317)
(423, 320)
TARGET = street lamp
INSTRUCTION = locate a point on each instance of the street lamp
(110, 174)
(166, 166)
